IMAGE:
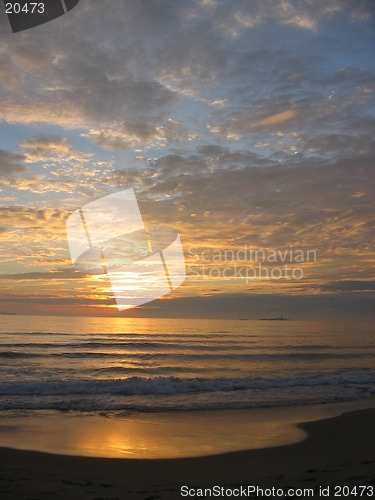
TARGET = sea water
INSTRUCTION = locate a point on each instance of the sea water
(114, 365)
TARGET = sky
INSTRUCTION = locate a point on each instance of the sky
(243, 125)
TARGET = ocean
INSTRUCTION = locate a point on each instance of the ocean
(120, 365)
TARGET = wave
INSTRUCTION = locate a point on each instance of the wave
(190, 355)
(14, 354)
(212, 345)
(143, 386)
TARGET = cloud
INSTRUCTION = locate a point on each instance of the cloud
(76, 88)
(239, 122)
(276, 119)
(131, 136)
(11, 164)
(38, 184)
(54, 166)
(341, 145)
(219, 198)
(63, 274)
(124, 92)
(84, 98)
(51, 148)
(349, 286)
(45, 220)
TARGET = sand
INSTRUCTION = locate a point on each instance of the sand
(336, 451)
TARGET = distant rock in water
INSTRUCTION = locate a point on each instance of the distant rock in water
(279, 318)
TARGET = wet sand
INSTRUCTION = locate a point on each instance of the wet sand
(336, 451)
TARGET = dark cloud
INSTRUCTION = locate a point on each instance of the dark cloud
(255, 306)
(64, 274)
(341, 145)
(11, 164)
(128, 70)
(349, 286)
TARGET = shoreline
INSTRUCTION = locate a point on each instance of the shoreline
(164, 435)
(336, 451)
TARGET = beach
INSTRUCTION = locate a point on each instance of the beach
(118, 409)
(336, 451)
(187, 276)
